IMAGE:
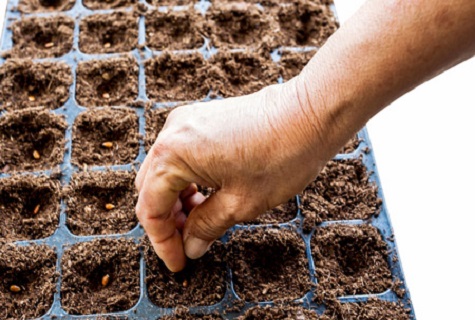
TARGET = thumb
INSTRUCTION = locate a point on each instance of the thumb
(210, 220)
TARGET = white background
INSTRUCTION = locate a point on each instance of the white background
(424, 146)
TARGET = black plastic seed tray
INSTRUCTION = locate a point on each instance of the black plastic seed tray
(63, 238)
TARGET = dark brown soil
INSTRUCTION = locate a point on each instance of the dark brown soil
(177, 77)
(238, 25)
(108, 82)
(342, 191)
(243, 72)
(42, 37)
(202, 283)
(293, 62)
(108, 4)
(206, 191)
(280, 214)
(279, 313)
(268, 264)
(25, 84)
(350, 260)
(29, 208)
(89, 197)
(170, 2)
(31, 139)
(29, 6)
(84, 267)
(351, 145)
(95, 128)
(106, 33)
(174, 30)
(155, 120)
(372, 310)
(304, 23)
(183, 313)
(33, 270)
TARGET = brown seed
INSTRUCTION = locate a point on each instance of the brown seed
(185, 283)
(110, 206)
(15, 288)
(106, 76)
(106, 96)
(37, 209)
(36, 154)
(107, 144)
(31, 98)
(31, 88)
(105, 280)
(107, 45)
(49, 45)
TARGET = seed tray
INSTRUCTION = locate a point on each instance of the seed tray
(138, 101)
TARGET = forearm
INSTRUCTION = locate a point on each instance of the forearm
(387, 49)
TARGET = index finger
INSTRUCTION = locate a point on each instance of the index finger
(159, 193)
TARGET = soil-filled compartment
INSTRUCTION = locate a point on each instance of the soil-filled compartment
(349, 260)
(108, 4)
(304, 23)
(238, 25)
(107, 33)
(24, 84)
(284, 312)
(201, 283)
(29, 6)
(371, 310)
(100, 276)
(101, 203)
(174, 30)
(108, 82)
(31, 139)
(28, 280)
(183, 313)
(107, 136)
(293, 62)
(342, 191)
(171, 2)
(155, 120)
(177, 77)
(283, 213)
(42, 37)
(268, 264)
(29, 207)
(242, 73)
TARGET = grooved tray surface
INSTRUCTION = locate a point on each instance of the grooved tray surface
(129, 68)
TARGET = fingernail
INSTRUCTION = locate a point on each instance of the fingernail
(195, 248)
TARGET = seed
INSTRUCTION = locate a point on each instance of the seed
(15, 288)
(185, 283)
(31, 88)
(105, 280)
(49, 45)
(107, 45)
(37, 209)
(106, 76)
(110, 206)
(36, 154)
(31, 98)
(107, 144)
(106, 96)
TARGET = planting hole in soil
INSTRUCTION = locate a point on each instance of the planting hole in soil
(243, 72)
(174, 30)
(101, 203)
(107, 136)
(279, 313)
(28, 280)
(177, 77)
(238, 25)
(100, 276)
(107, 33)
(342, 191)
(108, 4)
(293, 62)
(268, 264)
(31, 139)
(43, 37)
(304, 23)
(201, 283)
(24, 83)
(280, 214)
(29, 208)
(155, 120)
(370, 310)
(107, 82)
(29, 6)
(349, 260)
